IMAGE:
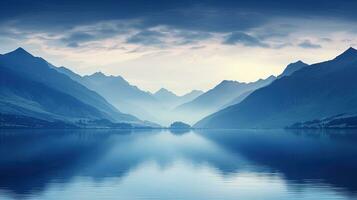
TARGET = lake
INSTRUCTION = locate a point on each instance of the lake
(159, 164)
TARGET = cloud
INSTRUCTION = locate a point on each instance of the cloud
(76, 38)
(325, 39)
(184, 37)
(78, 35)
(73, 45)
(76, 23)
(307, 44)
(206, 15)
(244, 39)
(146, 37)
(197, 47)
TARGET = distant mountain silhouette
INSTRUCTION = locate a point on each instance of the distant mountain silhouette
(171, 100)
(130, 99)
(224, 94)
(313, 92)
(30, 86)
(166, 97)
(191, 95)
(124, 96)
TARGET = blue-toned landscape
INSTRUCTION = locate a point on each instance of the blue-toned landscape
(159, 164)
(178, 100)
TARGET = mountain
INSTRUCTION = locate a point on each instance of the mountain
(116, 90)
(293, 67)
(217, 98)
(258, 84)
(171, 100)
(166, 97)
(191, 95)
(31, 87)
(313, 92)
(130, 99)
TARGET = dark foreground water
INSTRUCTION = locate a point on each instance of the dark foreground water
(237, 164)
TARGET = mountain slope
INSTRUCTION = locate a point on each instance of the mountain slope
(116, 90)
(290, 69)
(20, 95)
(191, 96)
(165, 95)
(313, 92)
(30, 86)
(130, 99)
(216, 99)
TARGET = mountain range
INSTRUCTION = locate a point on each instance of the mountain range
(31, 87)
(37, 94)
(171, 100)
(216, 98)
(225, 94)
(164, 106)
(131, 99)
(312, 92)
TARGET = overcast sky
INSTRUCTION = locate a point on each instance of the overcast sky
(180, 45)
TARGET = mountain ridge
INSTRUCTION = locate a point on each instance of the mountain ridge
(216, 98)
(24, 67)
(313, 92)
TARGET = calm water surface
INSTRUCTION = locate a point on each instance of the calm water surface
(236, 164)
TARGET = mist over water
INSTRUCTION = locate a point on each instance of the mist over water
(214, 164)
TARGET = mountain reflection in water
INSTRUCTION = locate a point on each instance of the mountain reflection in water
(155, 164)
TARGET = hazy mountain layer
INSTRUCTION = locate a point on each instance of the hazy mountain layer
(31, 87)
(130, 99)
(217, 98)
(313, 92)
(171, 100)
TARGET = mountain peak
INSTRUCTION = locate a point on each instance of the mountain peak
(20, 49)
(299, 62)
(351, 49)
(293, 67)
(20, 52)
(270, 77)
(229, 82)
(195, 91)
(98, 74)
(350, 53)
(164, 91)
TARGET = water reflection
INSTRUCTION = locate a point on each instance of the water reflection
(274, 164)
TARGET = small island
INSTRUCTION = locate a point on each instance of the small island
(180, 125)
(179, 128)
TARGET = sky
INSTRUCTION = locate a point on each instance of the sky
(179, 45)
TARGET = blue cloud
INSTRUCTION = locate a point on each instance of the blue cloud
(78, 37)
(244, 39)
(197, 20)
(307, 44)
(206, 15)
(146, 37)
(73, 45)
